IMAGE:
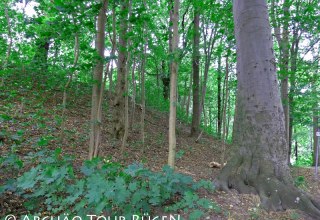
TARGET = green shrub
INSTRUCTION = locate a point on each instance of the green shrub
(304, 160)
(300, 181)
(109, 187)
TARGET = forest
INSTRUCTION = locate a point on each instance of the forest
(159, 109)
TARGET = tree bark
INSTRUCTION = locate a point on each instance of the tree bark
(229, 119)
(134, 92)
(165, 79)
(294, 55)
(96, 107)
(219, 79)
(119, 99)
(296, 150)
(174, 19)
(226, 101)
(6, 61)
(195, 125)
(315, 121)
(66, 87)
(283, 42)
(143, 70)
(72, 72)
(126, 89)
(284, 68)
(316, 114)
(224, 111)
(258, 163)
(189, 96)
(208, 45)
(109, 69)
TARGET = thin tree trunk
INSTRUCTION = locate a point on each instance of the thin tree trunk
(294, 55)
(174, 20)
(283, 42)
(165, 79)
(315, 121)
(229, 119)
(224, 115)
(189, 96)
(66, 87)
(126, 89)
(184, 99)
(119, 99)
(143, 98)
(208, 47)
(219, 97)
(296, 150)
(315, 116)
(205, 75)
(96, 108)
(134, 91)
(113, 50)
(285, 69)
(210, 114)
(9, 37)
(143, 70)
(76, 57)
(195, 125)
(6, 61)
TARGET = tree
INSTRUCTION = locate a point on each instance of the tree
(119, 99)
(283, 42)
(97, 89)
(259, 162)
(143, 71)
(219, 97)
(113, 39)
(66, 87)
(315, 115)
(195, 126)
(209, 39)
(126, 88)
(224, 114)
(6, 61)
(174, 20)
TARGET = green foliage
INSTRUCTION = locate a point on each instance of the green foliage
(304, 160)
(300, 181)
(180, 154)
(11, 162)
(4, 117)
(295, 216)
(100, 185)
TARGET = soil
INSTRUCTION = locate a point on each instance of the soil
(194, 157)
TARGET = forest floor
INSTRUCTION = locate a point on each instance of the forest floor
(39, 119)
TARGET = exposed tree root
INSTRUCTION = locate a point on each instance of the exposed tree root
(276, 192)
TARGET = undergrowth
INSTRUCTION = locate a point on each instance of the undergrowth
(102, 186)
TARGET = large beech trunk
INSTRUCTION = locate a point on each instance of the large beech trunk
(259, 162)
